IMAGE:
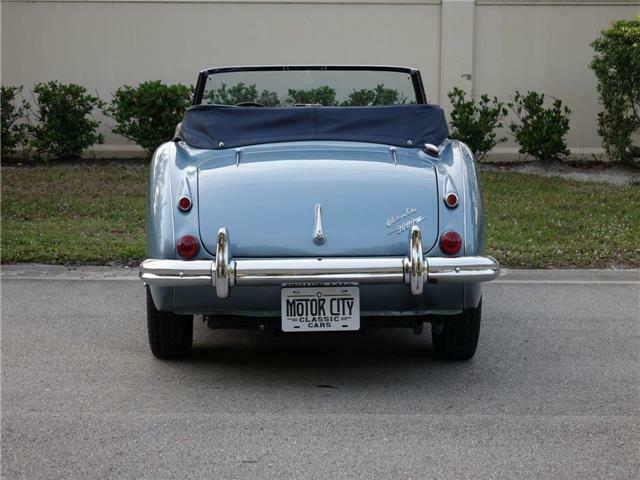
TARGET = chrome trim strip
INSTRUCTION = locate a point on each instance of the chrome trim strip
(176, 268)
(224, 273)
(171, 273)
(174, 281)
(276, 271)
(394, 155)
(318, 234)
(431, 150)
(461, 269)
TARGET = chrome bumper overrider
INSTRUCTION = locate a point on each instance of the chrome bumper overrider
(223, 273)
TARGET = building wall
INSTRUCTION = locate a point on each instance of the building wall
(485, 46)
(546, 48)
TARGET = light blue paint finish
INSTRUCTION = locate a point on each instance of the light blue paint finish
(160, 204)
(160, 221)
(267, 204)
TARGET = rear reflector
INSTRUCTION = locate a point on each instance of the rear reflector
(188, 247)
(451, 200)
(184, 204)
(450, 242)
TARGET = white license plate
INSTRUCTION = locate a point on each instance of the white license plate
(320, 309)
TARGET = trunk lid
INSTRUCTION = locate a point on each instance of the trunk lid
(268, 201)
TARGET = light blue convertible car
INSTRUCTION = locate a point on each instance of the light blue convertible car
(314, 199)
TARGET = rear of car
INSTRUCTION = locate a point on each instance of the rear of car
(330, 212)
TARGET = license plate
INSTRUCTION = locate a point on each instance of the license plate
(315, 309)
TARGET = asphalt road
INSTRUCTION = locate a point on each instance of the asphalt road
(553, 391)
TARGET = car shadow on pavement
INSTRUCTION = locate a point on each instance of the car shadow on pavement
(228, 346)
(225, 363)
(328, 360)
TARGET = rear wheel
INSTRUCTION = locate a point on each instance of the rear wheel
(457, 337)
(170, 335)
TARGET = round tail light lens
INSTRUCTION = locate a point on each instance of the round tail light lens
(451, 200)
(450, 242)
(188, 247)
(184, 204)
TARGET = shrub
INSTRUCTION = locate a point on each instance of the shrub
(474, 121)
(241, 93)
(148, 114)
(13, 133)
(616, 64)
(541, 131)
(237, 93)
(325, 96)
(64, 125)
(377, 96)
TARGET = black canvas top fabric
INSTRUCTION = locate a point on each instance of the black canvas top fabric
(217, 126)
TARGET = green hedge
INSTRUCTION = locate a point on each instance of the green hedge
(474, 121)
(13, 112)
(616, 64)
(64, 126)
(148, 114)
(541, 132)
(59, 121)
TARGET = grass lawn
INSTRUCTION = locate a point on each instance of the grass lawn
(540, 222)
(73, 214)
(95, 214)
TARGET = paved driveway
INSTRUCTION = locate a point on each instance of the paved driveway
(553, 392)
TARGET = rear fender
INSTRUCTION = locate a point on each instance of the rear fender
(160, 221)
(457, 171)
(172, 166)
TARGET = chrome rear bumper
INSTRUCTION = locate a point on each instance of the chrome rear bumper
(224, 273)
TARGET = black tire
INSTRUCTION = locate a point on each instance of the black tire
(170, 335)
(457, 337)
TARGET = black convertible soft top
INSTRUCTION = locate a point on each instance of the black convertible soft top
(217, 126)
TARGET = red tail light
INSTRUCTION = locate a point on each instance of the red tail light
(451, 200)
(188, 247)
(450, 242)
(184, 204)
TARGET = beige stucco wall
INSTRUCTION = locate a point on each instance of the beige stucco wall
(531, 47)
(105, 45)
(524, 45)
